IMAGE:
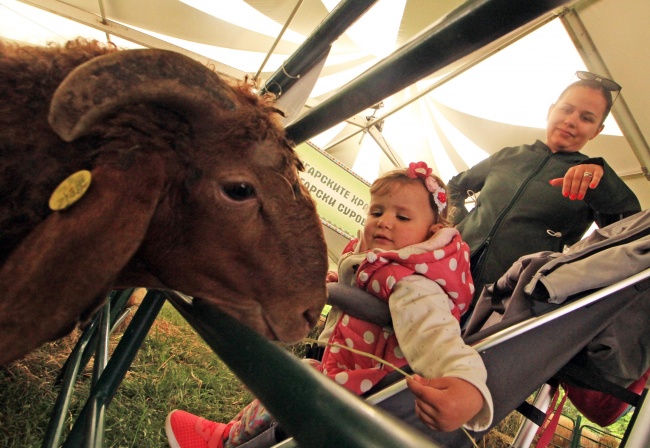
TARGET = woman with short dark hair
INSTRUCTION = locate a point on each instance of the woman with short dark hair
(543, 196)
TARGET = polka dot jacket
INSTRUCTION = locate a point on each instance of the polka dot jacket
(444, 260)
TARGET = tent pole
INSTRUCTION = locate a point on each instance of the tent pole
(468, 28)
(594, 61)
(315, 46)
(284, 28)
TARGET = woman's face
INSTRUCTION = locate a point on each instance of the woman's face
(398, 218)
(575, 119)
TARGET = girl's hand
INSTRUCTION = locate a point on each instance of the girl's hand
(331, 277)
(444, 404)
(578, 179)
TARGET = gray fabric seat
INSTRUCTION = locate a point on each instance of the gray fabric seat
(525, 341)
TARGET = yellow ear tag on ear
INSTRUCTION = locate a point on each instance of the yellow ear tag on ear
(70, 190)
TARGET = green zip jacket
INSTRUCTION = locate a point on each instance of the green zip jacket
(518, 212)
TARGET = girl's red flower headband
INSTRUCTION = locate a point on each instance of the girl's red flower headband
(421, 170)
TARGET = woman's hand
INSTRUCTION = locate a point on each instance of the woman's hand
(578, 179)
(444, 404)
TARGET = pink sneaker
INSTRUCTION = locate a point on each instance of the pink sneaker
(185, 430)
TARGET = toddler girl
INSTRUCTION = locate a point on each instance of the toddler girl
(408, 256)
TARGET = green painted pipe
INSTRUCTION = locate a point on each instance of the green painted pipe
(312, 408)
(466, 29)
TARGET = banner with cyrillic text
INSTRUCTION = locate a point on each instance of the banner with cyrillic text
(341, 196)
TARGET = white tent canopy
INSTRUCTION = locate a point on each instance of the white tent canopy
(496, 96)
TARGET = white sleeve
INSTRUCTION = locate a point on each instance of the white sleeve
(429, 336)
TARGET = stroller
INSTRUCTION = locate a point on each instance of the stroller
(578, 317)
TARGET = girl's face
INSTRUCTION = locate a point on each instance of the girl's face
(575, 119)
(399, 217)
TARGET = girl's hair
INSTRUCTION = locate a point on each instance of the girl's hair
(595, 85)
(400, 177)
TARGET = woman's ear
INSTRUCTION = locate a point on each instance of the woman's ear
(550, 109)
(600, 129)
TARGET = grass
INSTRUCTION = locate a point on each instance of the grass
(174, 369)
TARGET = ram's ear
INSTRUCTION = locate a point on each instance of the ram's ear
(65, 266)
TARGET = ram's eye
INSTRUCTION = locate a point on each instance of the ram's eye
(239, 191)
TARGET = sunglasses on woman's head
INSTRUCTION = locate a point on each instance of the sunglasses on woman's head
(607, 83)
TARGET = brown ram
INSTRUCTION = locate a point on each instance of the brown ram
(194, 187)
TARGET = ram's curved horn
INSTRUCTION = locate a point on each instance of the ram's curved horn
(101, 85)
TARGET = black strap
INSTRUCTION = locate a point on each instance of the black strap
(531, 413)
(498, 299)
(581, 377)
